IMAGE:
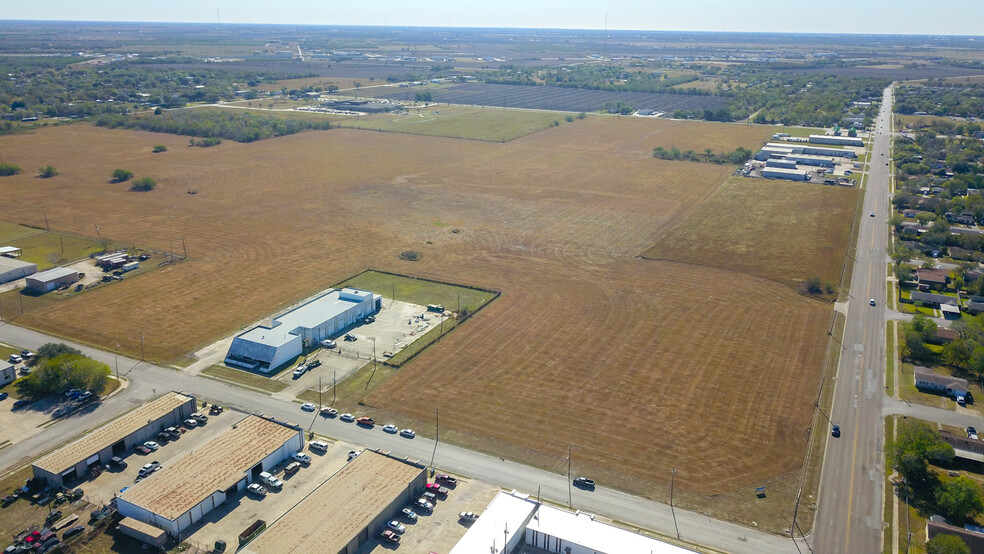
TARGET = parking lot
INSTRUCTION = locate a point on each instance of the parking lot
(397, 324)
(440, 530)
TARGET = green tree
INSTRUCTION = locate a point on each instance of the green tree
(956, 353)
(357, 84)
(959, 500)
(160, 148)
(6, 170)
(708, 152)
(52, 350)
(569, 118)
(143, 184)
(121, 175)
(47, 171)
(813, 285)
(53, 375)
(947, 544)
(916, 444)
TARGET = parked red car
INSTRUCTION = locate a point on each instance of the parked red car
(366, 420)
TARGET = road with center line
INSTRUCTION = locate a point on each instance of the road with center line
(850, 506)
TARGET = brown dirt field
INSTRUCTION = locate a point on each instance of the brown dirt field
(779, 230)
(664, 364)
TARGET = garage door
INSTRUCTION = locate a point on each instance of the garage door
(92, 460)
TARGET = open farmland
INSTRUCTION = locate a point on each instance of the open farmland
(557, 98)
(748, 221)
(468, 122)
(644, 365)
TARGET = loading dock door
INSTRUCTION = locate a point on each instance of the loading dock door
(257, 470)
(119, 448)
(93, 460)
(69, 475)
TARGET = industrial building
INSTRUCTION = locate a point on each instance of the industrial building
(836, 140)
(789, 174)
(784, 164)
(182, 493)
(266, 347)
(73, 460)
(347, 509)
(808, 159)
(512, 519)
(783, 148)
(364, 106)
(7, 375)
(47, 281)
(11, 269)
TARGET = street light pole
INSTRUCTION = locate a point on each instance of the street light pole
(672, 511)
(141, 346)
(570, 492)
(437, 436)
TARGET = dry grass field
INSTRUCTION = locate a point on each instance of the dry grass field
(643, 365)
(774, 229)
(468, 122)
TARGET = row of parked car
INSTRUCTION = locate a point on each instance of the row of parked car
(271, 482)
(364, 421)
(393, 530)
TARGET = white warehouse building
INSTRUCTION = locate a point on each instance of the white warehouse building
(11, 269)
(268, 347)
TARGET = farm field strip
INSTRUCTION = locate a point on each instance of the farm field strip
(554, 220)
(558, 98)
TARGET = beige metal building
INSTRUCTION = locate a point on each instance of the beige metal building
(344, 512)
(117, 437)
(180, 495)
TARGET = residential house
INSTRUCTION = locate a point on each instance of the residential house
(936, 279)
(909, 213)
(944, 335)
(932, 300)
(927, 381)
(971, 535)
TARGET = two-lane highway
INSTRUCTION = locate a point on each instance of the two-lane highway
(850, 515)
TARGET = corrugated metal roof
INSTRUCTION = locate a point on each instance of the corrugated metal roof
(7, 264)
(332, 516)
(308, 316)
(111, 433)
(215, 466)
(52, 274)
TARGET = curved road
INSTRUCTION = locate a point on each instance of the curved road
(143, 378)
(850, 514)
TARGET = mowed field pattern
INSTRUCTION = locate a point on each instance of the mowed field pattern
(644, 365)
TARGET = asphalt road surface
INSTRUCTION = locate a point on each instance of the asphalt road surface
(850, 511)
(147, 380)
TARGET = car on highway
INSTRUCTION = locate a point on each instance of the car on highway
(871, 302)
(347, 417)
(308, 407)
(366, 420)
(153, 446)
(408, 433)
(872, 214)
(836, 431)
(390, 428)
(329, 412)
(256, 489)
(396, 527)
(301, 457)
(408, 514)
(468, 516)
(584, 483)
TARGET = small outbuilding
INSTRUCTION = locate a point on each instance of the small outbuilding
(788, 174)
(47, 281)
(143, 532)
(10, 251)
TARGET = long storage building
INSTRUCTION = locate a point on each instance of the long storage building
(266, 347)
(72, 461)
(837, 140)
(52, 279)
(11, 269)
(343, 513)
(180, 495)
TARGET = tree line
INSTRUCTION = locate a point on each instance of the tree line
(226, 124)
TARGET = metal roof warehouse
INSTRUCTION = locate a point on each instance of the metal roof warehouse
(346, 510)
(182, 493)
(116, 437)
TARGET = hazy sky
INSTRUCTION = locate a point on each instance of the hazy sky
(934, 17)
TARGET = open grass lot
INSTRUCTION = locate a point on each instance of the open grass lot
(644, 365)
(47, 249)
(419, 291)
(775, 229)
(244, 378)
(467, 122)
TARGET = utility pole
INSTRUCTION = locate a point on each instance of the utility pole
(185, 250)
(46, 226)
(570, 492)
(116, 356)
(672, 511)
(20, 297)
(141, 346)
(437, 436)
(373, 363)
(319, 395)
(333, 383)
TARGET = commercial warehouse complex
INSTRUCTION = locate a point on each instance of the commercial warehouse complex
(52, 279)
(512, 519)
(73, 460)
(11, 269)
(345, 511)
(268, 347)
(182, 493)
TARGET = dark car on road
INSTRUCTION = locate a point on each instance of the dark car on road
(836, 431)
(584, 483)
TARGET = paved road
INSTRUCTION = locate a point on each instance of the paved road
(144, 378)
(849, 517)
